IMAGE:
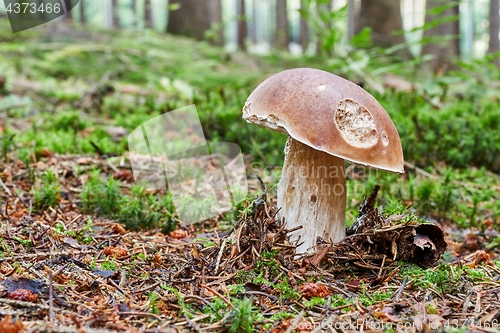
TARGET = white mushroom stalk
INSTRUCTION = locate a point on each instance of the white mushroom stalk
(312, 194)
(328, 120)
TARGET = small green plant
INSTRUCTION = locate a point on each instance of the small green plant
(82, 235)
(85, 235)
(260, 279)
(495, 242)
(242, 317)
(165, 207)
(445, 278)
(268, 263)
(216, 309)
(244, 276)
(93, 264)
(24, 155)
(448, 195)
(394, 207)
(205, 242)
(47, 194)
(90, 194)
(235, 289)
(25, 242)
(68, 121)
(184, 308)
(100, 196)
(425, 196)
(141, 256)
(431, 308)
(369, 299)
(476, 274)
(287, 291)
(134, 212)
(109, 265)
(6, 143)
(60, 229)
(340, 300)
(4, 248)
(153, 297)
(313, 302)
(280, 316)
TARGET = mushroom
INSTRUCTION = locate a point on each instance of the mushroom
(328, 120)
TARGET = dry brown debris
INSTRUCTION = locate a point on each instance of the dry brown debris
(118, 229)
(178, 234)
(310, 290)
(124, 175)
(24, 295)
(9, 326)
(375, 242)
(115, 251)
(158, 279)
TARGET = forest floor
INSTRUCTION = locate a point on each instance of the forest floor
(84, 249)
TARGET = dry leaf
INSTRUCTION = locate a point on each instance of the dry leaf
(9, 326)
(115, 251)
(309, 290)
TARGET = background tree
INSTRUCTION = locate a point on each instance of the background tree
(385, 20)
(494, 20)
(282, 32)
(81, 9)
(304, 26)
(441, 33)
(148, 17)
(115, 21)
(194, 18)
(242, 24)
(68, 17)
(133, 8)
(351, 18)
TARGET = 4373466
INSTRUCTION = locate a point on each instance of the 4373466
(470, 323)
(33, 8)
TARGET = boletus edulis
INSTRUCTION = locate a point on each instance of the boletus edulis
(328, 120)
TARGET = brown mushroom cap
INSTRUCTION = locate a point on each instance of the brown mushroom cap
(328, 113)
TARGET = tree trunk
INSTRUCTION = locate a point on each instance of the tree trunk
(107, 13)
(304, 26)
(133, 8)
(82, 12)
(384, 18)
(148, 17)
(494, 19)
(68, 17)
(194, 18)
(242, 24)
(115, 22)
(282, 33)
(351, 19)
(442, 40)
(254, 29)
(468, 39)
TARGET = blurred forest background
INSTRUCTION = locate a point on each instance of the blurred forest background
(73, 89)
(468, 28)
(432, 64)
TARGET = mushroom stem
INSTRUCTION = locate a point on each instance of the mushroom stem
(312, 193)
